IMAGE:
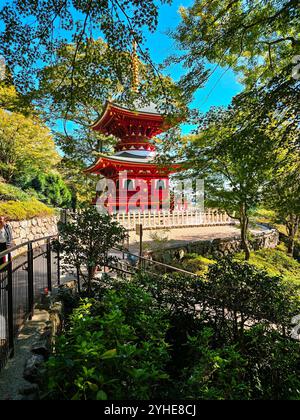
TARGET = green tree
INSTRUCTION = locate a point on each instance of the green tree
(26, 146)
(86, 239)
(283, 196)
(237, 161)
(33, 31)
(101, 73)
(257, 39)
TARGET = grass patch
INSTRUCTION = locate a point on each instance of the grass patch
(196, 263)
(276, 262)
(264, 216)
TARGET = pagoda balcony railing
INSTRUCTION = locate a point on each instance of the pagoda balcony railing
(175, 219)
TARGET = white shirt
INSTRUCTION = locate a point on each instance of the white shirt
(3, 236)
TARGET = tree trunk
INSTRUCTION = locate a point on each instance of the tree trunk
(292, 226)
(244, 220)
(91, 274)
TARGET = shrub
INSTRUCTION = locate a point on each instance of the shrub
(114, 350)
(266, 367)
(15, 210)
(223, 336)
(240, 295)
(85, 241)
(273, 364)
(9, 192)
(276, 262)
(51, 189)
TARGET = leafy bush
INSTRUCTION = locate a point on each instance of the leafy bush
(9, 192)
(15, 210)
(241, 296)
(85, 241)
(51, 189)
(223, 336)
(115, 349)
(196, 263)
(215, 373)
(261, 215)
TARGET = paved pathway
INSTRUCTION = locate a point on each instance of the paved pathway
(11, 377)
(182, 236)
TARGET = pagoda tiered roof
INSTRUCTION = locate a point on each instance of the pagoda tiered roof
(110, 165)
(135, 152)
(122, 122)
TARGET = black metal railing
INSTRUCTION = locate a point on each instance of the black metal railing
(131, 263)
(30, 271)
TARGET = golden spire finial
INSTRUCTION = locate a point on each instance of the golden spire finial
(135, 67)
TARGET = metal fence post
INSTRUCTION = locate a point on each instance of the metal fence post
(49, 273)
(10, 308)
(58, 267)
(30, 279)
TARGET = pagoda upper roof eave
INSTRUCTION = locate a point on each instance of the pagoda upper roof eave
(105, 117)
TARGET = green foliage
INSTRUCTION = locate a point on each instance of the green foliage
(86, 239)
(272, 365)
(33, 31)
(264, 367)
(16, 204)
(256, 38)
(26, 146)
(51, 189)
(260, 41)
(262, 215)
(216, 373)
(81, 185)
(223, 336)
(276, 262)
(241, 295)
(114, 349)
(196, 263)
(15, 210)
(9, 192)
(283, 197)
(237, 159)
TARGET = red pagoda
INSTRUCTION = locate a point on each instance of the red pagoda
(139, 182)
(135, 181)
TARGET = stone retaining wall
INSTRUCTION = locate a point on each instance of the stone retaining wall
(217, 247)
(28, 230)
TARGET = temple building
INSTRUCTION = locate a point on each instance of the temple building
(139, 181)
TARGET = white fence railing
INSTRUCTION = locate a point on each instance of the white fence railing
(174, 219)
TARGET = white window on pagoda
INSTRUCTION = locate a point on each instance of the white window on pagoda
(160, 185)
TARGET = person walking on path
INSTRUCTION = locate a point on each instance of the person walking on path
(6, 238)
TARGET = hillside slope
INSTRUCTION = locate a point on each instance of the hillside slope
(16, 204)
